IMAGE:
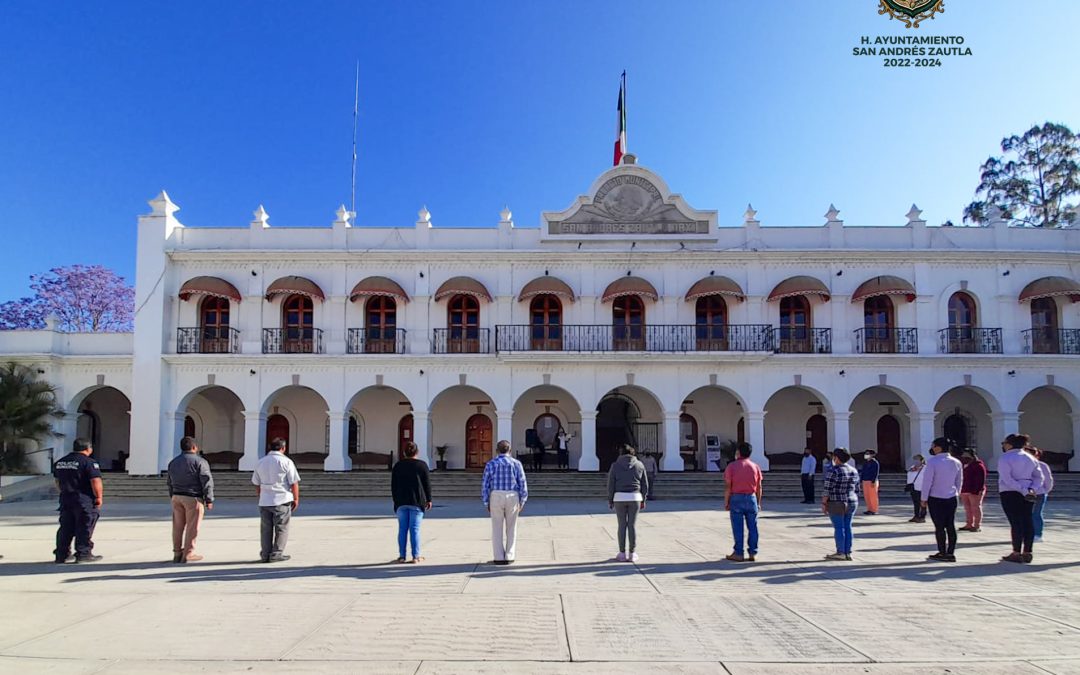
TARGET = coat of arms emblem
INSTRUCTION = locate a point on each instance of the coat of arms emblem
(911, 12)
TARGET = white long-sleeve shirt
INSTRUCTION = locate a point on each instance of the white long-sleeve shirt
(1047, 479)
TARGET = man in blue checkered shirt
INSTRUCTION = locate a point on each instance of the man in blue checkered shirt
(504, 493)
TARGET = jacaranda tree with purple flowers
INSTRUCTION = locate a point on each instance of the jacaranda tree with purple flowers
(84, 299)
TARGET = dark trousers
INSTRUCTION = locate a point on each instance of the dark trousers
(564, 459)
(808, 487)
(1019, 512)
(916, 503)
(943, 513)
(538, 459)
(78, 517)
(274, 529)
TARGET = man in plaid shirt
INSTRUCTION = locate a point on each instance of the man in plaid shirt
(504, 493)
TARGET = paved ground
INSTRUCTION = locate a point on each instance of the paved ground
(565, 607)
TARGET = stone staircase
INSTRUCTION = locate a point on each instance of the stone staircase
(783, 485)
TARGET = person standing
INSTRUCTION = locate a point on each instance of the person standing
(869, 474)
(807, 471)
(78, 479)
(1041, 495)
(628, 486)
(827, 464)
(410, 487)
(191, 491)
(1019, 481)
(562, 442)
(503, 491)
(742, 498)
(840, 502)
(278, 485)
(943, 478)
(914, 488)
(974, 490)
(650, 468)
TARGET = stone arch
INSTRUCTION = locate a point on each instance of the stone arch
(787, 411)
(867, 410)
(307, 411)
(976, 407)
(218, 412)
(629, 414)
(450, 411)
(103, 413)
(1046, 414)
(542, 399)
(378, 410)
(716, 411)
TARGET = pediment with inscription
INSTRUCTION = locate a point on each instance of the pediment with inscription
(629, 201)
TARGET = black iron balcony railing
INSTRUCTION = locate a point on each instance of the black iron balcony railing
(969, 340)
(375, 341)
(464, 340)
(887, 341)
(1052, 341)
(292, 341)
(798, 340)
(621, 338)
(208, 340)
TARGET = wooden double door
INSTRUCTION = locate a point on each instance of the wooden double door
(478, 443)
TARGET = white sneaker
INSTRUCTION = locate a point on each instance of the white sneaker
(1038, 539)
(621, 557)
(633, 557)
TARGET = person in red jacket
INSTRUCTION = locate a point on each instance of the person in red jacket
(974, 490)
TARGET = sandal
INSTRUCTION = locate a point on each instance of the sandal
(400, 560)
(416, 561)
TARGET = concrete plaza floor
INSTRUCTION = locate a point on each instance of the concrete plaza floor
(564, 607)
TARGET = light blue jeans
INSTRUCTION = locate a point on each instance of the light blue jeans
(744, 508)
(409, 519)
(842, 531)
(1037, 514)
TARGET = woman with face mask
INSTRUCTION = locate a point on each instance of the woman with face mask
(974, 490)
(914, 488)
(840, 502)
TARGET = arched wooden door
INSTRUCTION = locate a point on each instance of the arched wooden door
(277, 426)
(889, 452)
(477, 442)
(956, 430)
(404, 433)
(817, 435)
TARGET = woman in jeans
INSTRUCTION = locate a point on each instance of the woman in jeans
(840, 502)
(628, 485)
(411, 490)
(914, 488)
(1041, 494)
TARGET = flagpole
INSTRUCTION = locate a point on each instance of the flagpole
(627, 143)
(356, 110)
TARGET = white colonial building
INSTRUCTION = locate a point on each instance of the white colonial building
(627, 317)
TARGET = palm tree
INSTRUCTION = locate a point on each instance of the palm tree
(27, 406)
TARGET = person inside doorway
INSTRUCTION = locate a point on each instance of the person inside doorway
(562, 444)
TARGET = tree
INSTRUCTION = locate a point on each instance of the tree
(27, 406)
(84, 298)
(1032, 183)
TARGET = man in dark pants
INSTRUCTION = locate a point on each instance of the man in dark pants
(809, 468)
(78, 479)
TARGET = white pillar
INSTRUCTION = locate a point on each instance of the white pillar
(922, 433)
(422, 435)
(589, 461)
(338, 457)
(672, 460)
(840, 429)
(172, 430)
(755, 436)
(254, 439)
(504, 426)
(1075, 461)
(1002, 424)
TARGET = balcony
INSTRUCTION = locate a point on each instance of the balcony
(1052, 341)
(969, 341)
(375, 341)
(887, 341)
(683, 338)
(208, 340)
(466, 340)
(292, 341)
(800, 340)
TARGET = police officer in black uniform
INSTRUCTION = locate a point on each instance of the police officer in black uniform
(78, 478)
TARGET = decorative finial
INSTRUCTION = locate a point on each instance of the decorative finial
(343, 214)
(750, 215)
(506, 214)
(425, 215)
(162, 205)
(832, 213)
(261, 216)
(629, 158)
(913, 214)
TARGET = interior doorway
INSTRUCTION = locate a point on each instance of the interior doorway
(889, 453)
(477, 442)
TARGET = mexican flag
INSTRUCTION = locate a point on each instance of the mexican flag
(620, 123)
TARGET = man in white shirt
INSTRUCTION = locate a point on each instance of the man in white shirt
(278, 486)
(809, 468)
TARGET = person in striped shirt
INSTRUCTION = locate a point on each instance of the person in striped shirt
(504, 491)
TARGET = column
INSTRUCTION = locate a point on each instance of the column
(922, 433)
(338, 458)
(1075, 461)
(422, 435)
(672, 460)
(840, 429)
(1002, 424)
(172, 430)
(504, 426)
(755, 436)
(589, 461)
(254, 439)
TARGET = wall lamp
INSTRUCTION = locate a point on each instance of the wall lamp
(1011, 373)
(252, 371)
(421, 275)
(254, 273)
(843, 372)
(1006, 273)
(840, 273)
(421, 371)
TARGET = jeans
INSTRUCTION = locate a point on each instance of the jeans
(626, 513)
(1037, 514)
(842, 531)
(808, 487)
(408, 520)
(916, 502)
(943, 513)
(274, 529)
(744, 508)
(1021, 522)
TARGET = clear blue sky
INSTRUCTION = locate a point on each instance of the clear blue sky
(467, 106)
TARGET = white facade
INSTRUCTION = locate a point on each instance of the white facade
(666, 379)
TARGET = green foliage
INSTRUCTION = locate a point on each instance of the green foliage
(1032, 183)
(27, 408)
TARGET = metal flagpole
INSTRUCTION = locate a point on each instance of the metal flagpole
(356, 110)
(626, 145)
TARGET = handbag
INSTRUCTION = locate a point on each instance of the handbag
(837, 508)
(910, 487)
